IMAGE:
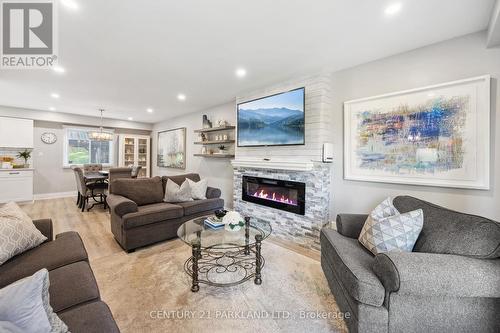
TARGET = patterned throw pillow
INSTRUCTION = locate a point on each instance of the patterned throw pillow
(198, 189)
(17, 232)
(176, 193)
(387, 230)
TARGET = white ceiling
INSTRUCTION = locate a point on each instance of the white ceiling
(127, 56)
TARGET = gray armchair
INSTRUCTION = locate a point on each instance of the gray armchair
(450, 283)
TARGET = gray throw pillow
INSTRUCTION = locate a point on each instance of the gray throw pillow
(21, 304)
(25, 304)
(17, 232)
(176, 193)
(386, 230)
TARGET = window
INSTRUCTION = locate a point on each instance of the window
(79, 149)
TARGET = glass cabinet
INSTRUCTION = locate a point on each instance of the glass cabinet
(135, 150)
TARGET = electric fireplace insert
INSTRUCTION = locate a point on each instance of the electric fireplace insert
(281, 194)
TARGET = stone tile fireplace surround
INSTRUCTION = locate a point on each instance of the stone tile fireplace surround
(290, 227)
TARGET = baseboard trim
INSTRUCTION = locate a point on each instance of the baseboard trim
(55, 195)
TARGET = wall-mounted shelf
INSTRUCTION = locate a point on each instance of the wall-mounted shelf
(214, 142)
(215, 155)
(215, 129)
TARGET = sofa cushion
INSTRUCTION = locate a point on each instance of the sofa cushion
(352, 263)
(198, 206)
(151, 214)
(143, 191)
(71, 285)
(450, 232)
(92, 317)
(179, 179)
(66, 249)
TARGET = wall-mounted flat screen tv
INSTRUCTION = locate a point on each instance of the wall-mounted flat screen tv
(276, 120)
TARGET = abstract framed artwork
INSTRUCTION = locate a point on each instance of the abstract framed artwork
(171, 150)
(435, 136)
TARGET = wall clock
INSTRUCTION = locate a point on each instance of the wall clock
(49, 138)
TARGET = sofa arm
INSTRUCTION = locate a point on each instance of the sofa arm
(431, 274)
(213, 193)
(350, 225)
(45, 227)
(121, 205)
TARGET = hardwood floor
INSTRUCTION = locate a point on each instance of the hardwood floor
(93, 227)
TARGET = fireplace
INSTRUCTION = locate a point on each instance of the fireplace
(281, 194)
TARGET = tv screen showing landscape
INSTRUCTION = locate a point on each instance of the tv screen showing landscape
(275, 120)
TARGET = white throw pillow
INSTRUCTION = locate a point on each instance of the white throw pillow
(198, 189)
(21, 304)
(387, 230)
(176, 193)
(17, 232)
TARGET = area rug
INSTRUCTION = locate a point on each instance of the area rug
(148, 291)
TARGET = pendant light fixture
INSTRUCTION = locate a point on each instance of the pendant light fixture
(100, 135)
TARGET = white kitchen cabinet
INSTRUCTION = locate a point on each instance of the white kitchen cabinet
(16, 185)
(135, 150)
(16, 133)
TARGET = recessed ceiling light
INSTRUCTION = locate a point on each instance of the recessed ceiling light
(241, 72)
(181, 97)
(149, 110)
(54, 95)
(52, 108)
(130, 118)
(71, 4)
(393, 9)
(58, 69)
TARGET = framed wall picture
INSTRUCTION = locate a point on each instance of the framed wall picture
(171, 148)
(435, 136)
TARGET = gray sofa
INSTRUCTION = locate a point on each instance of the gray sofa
(74, 294)
(450, 283)
(139, 216)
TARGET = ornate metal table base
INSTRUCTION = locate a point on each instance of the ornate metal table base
(238, 264)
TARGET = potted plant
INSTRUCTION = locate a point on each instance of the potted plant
(26, 155)
(222, 149)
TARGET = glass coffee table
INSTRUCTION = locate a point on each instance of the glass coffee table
(223, 257)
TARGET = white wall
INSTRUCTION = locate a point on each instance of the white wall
(219, 172)
(455, 59)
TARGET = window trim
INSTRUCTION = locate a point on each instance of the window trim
(66, 165)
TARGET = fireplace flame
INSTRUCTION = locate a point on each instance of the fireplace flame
(273, 197)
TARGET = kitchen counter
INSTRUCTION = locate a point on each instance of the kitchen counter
(19, 169)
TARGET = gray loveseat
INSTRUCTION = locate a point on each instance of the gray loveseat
(74, 294)
(139, 216)
(450, 283)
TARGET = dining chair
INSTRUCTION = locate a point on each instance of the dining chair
(92, 167)
(115, 173)
(78, 186)
(136, 170)
(89, 190)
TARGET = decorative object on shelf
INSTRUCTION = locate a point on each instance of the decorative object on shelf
(203, 137)
(26, 155)
(233, 221)
(222, 123)
(225, 137)
(48, 138)
(203, 150)
(217, 137)
(434, 136)
(172, 148)
(222, 149)
(100, 134)
(206, 123)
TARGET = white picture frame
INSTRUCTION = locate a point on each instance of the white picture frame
(368, 155)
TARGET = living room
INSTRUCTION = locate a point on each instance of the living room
(250, 166)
